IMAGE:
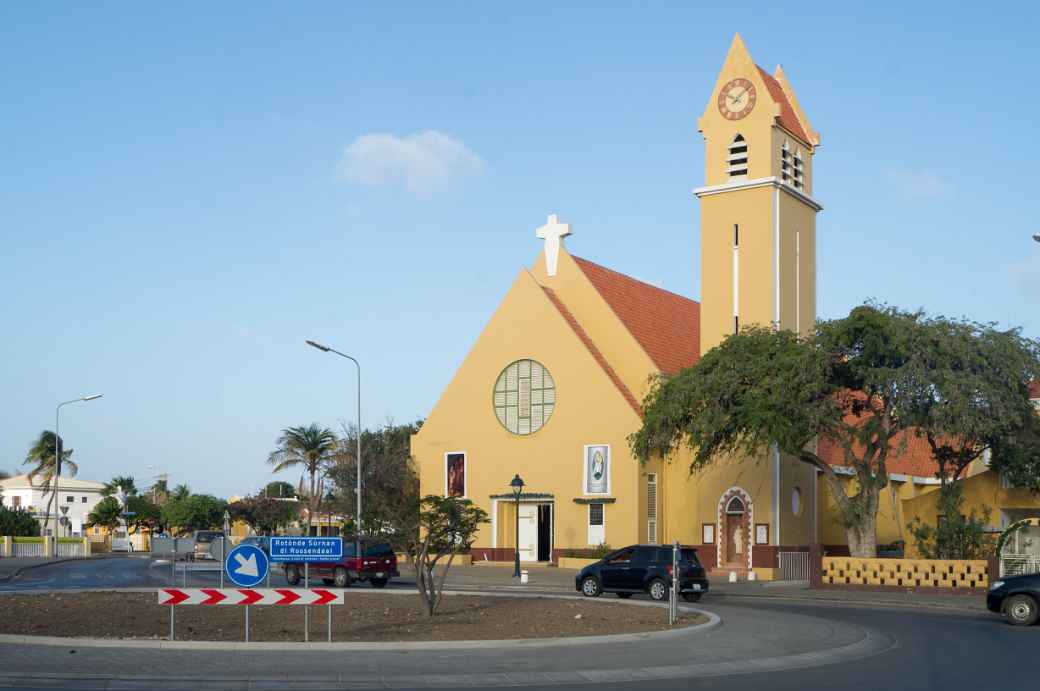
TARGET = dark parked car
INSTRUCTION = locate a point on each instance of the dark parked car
(1017, 598)
(643, 569)
(377, 566)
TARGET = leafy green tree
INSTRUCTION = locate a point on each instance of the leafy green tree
(142, 513)
(279, 489)
(446, 526)
(762, 387)
(42, 456)
(265, 515)
(120, 482)
(1016, 457)
(969, 396)
(181, 491)
(955, 535)
(194, 512)
(389, 480)
(311, 447)
(106, 514)
(18, 523)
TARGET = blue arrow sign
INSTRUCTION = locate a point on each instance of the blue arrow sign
(246, 566)
(302, 549)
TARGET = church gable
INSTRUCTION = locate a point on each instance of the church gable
(532, 323)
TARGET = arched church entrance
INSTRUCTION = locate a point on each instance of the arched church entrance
(734, 528)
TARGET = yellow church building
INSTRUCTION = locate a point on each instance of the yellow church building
(552, 387)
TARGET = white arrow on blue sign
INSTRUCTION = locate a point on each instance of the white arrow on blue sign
(246, 566)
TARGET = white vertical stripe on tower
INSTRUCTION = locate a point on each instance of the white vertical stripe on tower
(798, 281)
(736, 281)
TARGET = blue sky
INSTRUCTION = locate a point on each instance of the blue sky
(189, 192)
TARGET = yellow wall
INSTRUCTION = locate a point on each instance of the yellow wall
(980, 491)
(589, 410)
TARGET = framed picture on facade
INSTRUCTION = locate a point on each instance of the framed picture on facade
(597, 469)
(707, 533)
(455, 474)
(761, 533)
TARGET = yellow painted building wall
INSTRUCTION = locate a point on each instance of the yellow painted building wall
(589, 410)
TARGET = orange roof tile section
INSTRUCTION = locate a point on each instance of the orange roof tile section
(597, 356)
(1034, 389)
(788, 119)
(665, 324)
(915, 460)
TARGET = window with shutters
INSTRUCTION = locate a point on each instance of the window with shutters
(792, 167)
(738, 157)
(651, 508)
(524, 397)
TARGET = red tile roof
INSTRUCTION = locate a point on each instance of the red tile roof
(598, 356)
(665, 324)
(788, 118)
(1034, 389)
(916, 459)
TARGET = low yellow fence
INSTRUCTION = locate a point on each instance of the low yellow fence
(905, 573)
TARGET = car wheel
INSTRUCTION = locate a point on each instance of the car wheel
(378, 582)
(1021, 610)
(292, 575)
(341, 578)
(590, 587)
(658, 589)
(691, 597)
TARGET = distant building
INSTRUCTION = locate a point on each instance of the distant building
(79, 496)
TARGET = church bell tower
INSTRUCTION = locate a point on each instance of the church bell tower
(758, 215)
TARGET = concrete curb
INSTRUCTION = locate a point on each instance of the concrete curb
(931, 606)
(713, 621)
(870, 645)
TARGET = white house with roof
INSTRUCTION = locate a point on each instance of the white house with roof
(78, 496)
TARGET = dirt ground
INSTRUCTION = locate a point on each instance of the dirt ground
(368, 617)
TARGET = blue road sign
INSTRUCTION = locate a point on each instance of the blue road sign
(246, 566)
(299, 549)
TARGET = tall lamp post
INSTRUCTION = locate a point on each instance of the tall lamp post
(518, 487)
(57, 458)
(357, 518)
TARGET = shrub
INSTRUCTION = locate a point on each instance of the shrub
(18, 523)
(597, 552)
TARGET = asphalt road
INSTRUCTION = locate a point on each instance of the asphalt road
(929, 649)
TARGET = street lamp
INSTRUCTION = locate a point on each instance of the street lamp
(357, 518)
(518, 488)
(57, 458)
(1037, 237)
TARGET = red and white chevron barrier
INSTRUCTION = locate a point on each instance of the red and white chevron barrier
(250, 596)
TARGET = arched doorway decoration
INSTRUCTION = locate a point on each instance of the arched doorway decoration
(734, 529)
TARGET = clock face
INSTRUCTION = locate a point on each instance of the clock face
(737, 99)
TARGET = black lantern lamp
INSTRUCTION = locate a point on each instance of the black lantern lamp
(518, 488)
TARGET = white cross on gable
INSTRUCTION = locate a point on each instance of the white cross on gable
(553, 233)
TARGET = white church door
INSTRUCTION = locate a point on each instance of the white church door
(528, 532)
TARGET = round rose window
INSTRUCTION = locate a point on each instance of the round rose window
(525, 396)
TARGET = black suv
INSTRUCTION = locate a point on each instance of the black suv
(643, 569)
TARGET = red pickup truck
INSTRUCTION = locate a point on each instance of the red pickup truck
(377, 565)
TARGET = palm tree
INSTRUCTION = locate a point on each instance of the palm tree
(181, 491)
(42, 457)
(310, 447)
(120, 482)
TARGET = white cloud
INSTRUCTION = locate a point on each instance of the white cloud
(919, 185)
(424, 161)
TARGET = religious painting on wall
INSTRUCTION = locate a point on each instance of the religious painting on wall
(597, 469)
(456, 471)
